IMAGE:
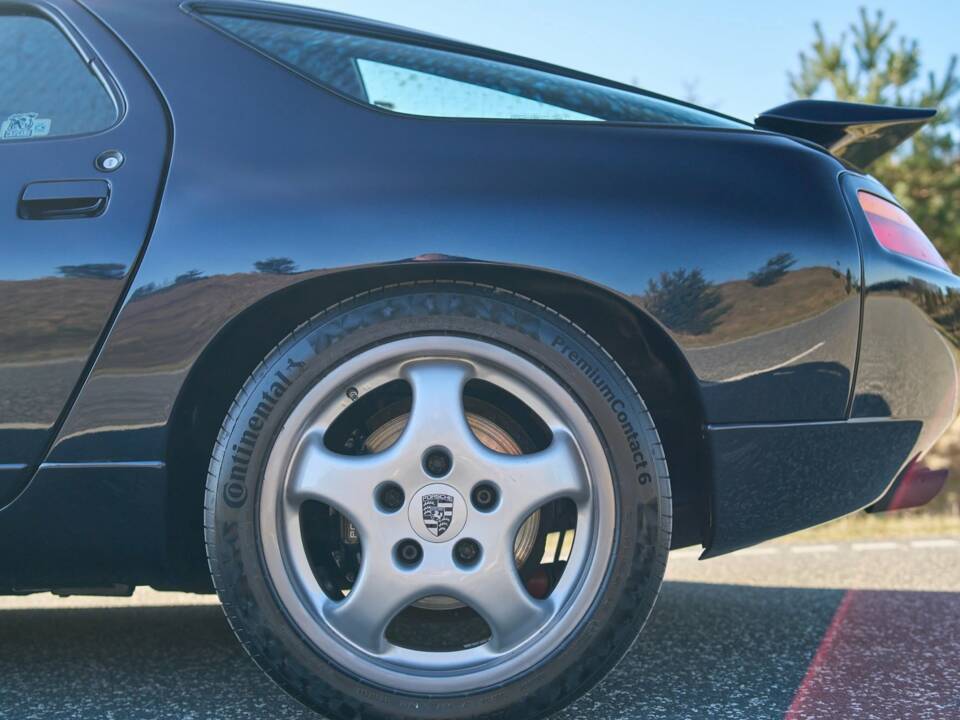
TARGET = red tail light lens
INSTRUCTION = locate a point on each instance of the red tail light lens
(894, 229)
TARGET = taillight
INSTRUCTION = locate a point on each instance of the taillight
(894, 229)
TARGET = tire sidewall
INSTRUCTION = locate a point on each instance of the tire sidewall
(641, 538)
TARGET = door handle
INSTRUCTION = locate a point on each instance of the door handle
(52, 200)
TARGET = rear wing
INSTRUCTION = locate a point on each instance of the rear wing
(856, 133)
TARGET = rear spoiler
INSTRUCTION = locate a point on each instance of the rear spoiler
(856, 133)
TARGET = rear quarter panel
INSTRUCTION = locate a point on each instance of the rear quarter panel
(686, 224)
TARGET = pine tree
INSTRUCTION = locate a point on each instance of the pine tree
(876, 66)
(685, 301)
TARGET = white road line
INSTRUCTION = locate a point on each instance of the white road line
(744, 376)
(943, 543)
(805, 549)
(695, 554)
(758, 551)
(878, 546)
(874, 546)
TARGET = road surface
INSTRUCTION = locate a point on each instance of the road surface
(834, 631)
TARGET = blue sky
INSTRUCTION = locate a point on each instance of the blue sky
(735, 54)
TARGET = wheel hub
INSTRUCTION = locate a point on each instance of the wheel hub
(492, 436)
(438, 513)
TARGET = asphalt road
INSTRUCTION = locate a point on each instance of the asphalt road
(818, 338)
(838, 631)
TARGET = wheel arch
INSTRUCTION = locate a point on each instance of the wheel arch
(633, 338)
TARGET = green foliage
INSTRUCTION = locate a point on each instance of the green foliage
(103, 271)
(685, 301)
(276, 266)
(873, 65)
(772, 270)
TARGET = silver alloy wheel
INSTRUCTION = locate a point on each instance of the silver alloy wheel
(351, 631)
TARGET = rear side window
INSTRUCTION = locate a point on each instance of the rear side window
(46, 88)
(417, 80)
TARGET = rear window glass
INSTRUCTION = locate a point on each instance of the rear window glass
(417, 80)
(46, 88)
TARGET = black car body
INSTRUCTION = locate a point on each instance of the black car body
(249, 197)
(266, 273)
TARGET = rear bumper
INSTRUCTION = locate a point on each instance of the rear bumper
(771, 480)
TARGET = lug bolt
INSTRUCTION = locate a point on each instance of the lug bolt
(409, 552)
(467, 552)
(390, 496)
(484, 497)
(437, 462)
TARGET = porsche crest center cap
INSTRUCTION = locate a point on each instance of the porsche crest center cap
(437, 513)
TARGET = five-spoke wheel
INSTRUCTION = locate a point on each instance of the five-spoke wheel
(437, 493)
(441, 544)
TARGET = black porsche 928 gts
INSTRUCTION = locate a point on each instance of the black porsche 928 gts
(391, 341)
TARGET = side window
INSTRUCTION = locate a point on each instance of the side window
(46, 88)
(420, 93)
(408, 78)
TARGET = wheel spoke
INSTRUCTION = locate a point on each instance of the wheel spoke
(345, 482)
(437, 417)
(382, 590)
(528, 482)
(497, 594)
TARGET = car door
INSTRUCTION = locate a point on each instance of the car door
(83, 148)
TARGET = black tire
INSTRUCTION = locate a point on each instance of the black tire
(643, 514)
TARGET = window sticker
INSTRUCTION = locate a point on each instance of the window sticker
(24, 125)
